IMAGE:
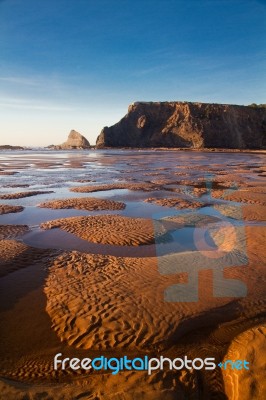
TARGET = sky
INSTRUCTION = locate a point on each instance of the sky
(78, 64)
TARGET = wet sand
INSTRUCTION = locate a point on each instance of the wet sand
(11, 231)
(168, 235)
(109, 229)
(6, 209)
(175, 202)
(90, 204)
(19, 195)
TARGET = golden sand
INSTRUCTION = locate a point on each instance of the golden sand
(120, 305)
(129, 186)
(251, 196)
(244, 384)
(11, 231)
(175, 202)
(20, 195)
(108, 229)
(15, 255)
(6, 209)
(106, 302)
(86, 203)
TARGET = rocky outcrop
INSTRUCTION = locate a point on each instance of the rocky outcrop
(74, 141)
(9, 147)
(189, 125)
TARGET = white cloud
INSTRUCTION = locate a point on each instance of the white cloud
(16, 103)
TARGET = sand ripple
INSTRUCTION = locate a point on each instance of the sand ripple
(252, 197)
(244, 384)
(86, 203)
(106, 302)
(20, 195)
(175, 202)
(11, 231)
(249, 212)
(109, 229)
(6, 209)
(15, 255)
(130, 186)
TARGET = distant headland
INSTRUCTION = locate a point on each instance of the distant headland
(188, 125)
(9, 147)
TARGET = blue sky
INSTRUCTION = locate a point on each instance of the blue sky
(69, 64)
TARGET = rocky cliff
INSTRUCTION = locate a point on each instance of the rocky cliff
(74, 141)
(190, 125)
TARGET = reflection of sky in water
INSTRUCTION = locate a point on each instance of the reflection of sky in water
(61, 170)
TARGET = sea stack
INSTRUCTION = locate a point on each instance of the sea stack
(188, 125)
(74, 141)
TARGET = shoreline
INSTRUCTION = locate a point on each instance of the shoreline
(125, 230)
(207, 150)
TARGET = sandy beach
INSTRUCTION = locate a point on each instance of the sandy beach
(138, 253)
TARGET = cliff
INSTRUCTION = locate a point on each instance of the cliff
(74, 141)
(190, 125)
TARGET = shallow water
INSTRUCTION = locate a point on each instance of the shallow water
(59, 171)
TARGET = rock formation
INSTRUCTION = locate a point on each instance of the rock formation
(190, 125)
(74, 141)
(9, 147)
